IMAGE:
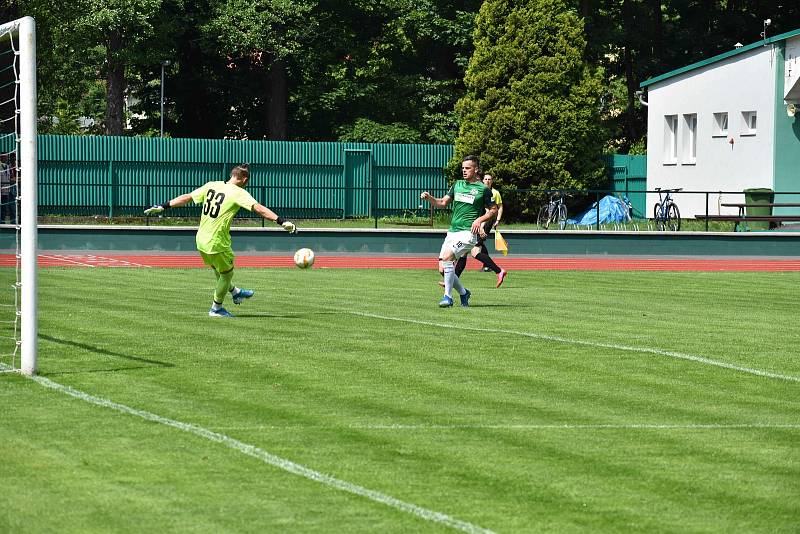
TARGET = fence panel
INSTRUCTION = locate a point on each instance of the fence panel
(94, 175)
(628, 176)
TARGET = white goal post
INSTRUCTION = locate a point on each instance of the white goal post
(23, 32)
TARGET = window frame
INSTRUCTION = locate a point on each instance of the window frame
(718, 130)
(689, 139)
(749, 123)
(670, 140)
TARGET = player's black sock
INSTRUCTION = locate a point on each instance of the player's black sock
(488, 261)
(461, 264)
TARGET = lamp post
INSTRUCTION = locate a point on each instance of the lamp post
(166, 63)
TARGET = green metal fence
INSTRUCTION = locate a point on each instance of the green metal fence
(116, 176)
(628, 176)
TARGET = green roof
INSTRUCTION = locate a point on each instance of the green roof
(720, 57)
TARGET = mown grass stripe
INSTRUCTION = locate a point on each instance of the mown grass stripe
(269, 458)
(596, 344)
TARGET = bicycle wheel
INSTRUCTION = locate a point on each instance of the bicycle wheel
(659, 223)
(673, 221)
(543, 220)
(562, 216)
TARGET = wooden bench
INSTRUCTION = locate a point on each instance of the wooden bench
(744, 205)
(743, 218)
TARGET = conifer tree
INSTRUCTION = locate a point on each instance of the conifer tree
(531, 111)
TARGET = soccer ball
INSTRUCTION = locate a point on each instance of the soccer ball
(304, 258)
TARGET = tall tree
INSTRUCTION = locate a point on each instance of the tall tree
(96, 37)
(121, 29)
(389, 70)
(264, 36)
(532, 103)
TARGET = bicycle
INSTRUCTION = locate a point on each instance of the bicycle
(555, 211)
(666, 214)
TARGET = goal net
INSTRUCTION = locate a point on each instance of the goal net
(18, 201)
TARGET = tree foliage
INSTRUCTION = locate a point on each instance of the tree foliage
(350, 69)
(531, 109)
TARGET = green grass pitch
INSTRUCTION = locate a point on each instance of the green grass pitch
(347, 401)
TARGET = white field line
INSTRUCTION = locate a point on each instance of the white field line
(597, 344)
(271, 459)
(524, 426)
(630, 426)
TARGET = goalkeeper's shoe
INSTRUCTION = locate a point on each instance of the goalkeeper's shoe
(221, 312)
(465, 298)
(243, 294)
(446, 302)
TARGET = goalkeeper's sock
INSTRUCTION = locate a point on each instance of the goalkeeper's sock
(223, 286)
(235, 291)
(215, 305)
(487, 261)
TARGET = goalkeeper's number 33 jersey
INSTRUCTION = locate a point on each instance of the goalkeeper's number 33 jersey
(220, 202)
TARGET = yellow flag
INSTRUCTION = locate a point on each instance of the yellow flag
(500, 244)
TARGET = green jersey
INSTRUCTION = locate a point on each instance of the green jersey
(221, 201)
(470, 201)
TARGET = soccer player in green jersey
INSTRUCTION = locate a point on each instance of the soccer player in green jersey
(479, 251)
(221, 201)
(472, 206)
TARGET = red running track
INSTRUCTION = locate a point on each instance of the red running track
(587, 263)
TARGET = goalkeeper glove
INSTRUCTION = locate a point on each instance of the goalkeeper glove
(287, 225)
(156, 209)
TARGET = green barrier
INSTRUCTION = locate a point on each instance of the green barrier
(754, 198)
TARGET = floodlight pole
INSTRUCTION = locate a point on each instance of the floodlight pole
(166, 63)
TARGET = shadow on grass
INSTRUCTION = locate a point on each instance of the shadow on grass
(104, 352)
(495, 305)
(85, 371)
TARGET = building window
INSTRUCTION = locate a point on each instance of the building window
(690, 139)
(720, 124)
(748, 122)
(670, 139)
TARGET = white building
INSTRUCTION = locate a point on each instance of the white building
(726, 124)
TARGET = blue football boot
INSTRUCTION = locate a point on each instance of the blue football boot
(242, 295)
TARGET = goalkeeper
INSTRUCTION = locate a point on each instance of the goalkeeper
(221, 201)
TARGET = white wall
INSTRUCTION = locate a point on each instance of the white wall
(792, 66)
(744, 82)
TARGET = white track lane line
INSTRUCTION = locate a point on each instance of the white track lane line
(268, 458)
(559, 339)
(65, 259)
(103, 261)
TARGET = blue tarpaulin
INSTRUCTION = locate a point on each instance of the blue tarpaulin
(612, 210)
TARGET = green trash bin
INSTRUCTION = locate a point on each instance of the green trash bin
(756, 197)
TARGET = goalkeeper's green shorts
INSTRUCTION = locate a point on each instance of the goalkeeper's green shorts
(221, 261)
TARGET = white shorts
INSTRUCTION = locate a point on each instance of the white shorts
(460, 243)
